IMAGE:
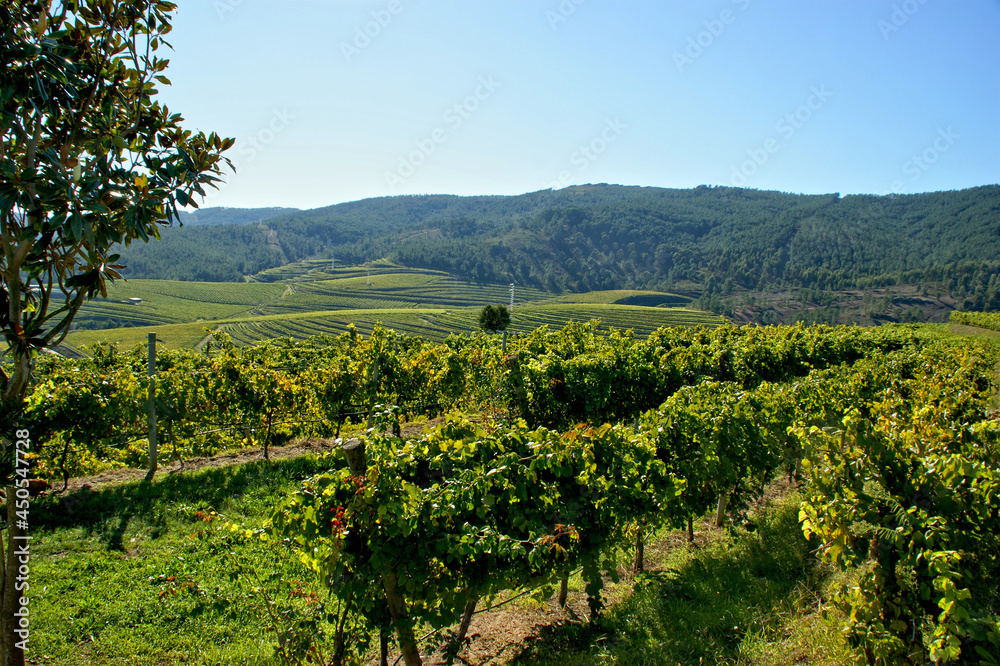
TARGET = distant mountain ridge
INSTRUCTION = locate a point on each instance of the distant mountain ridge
(714, 241)
(221, 215)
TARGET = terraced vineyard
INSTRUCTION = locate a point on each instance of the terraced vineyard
(642, 320)
(173, 336)
(172, 301)
(309, 298)
(627, 297)
(410, 322)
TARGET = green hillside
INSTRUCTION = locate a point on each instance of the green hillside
(173, 302)
(708, 241)
(312, 298)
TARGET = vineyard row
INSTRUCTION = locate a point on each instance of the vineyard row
(587, 442)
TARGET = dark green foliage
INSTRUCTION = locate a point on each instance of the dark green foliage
(211, 217)
(494, 318)
(712, 240)
(203, 254)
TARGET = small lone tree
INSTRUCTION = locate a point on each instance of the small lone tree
(494, 318)
(88, 160)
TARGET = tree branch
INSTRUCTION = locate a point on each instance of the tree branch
(62, 328)
(96, 87)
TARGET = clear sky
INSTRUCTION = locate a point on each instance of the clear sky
(337, 100)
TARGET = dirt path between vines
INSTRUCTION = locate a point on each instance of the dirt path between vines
(511, 630)
(294, 449)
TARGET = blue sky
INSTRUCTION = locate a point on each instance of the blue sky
(334, 101)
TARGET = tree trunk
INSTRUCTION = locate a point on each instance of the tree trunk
(357, 462)
(339, 645)
(463, 628)
(400, 618)
(17, 384)
(720, 511)
(11, 655)
(383, 639)
(690, 529)
(640, 549)
(563, 589)
(470, 610)
(12, 404)
(595, 603)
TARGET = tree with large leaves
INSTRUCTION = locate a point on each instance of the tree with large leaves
(88, 160)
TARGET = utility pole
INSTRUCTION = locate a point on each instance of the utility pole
(511, 313)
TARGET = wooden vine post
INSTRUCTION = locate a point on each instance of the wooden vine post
(720, 510)
(639, 565)
(151, 372)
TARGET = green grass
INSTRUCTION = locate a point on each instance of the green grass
(135, 574)
(745, 598)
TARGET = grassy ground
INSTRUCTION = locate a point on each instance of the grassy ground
(141, 574)
(144, 574)
(736, 597)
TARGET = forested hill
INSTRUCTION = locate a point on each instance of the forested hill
(707, 239)
(217, 216)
